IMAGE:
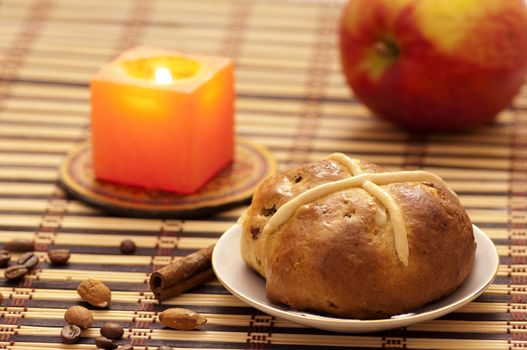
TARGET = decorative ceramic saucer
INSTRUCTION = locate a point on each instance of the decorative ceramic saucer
(232, 186)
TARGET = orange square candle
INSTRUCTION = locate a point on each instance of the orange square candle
(162, 119)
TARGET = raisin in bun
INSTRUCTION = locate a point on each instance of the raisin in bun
(344, 237)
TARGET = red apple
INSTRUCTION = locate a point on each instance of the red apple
(435, 65)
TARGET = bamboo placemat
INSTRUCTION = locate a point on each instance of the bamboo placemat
(291, 98)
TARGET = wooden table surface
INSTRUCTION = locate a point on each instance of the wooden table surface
(291, 98)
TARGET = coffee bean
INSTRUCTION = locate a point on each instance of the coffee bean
(112, 330)
(128, 246)
(70, 334)
(164, 347)
(15, 273)
(105, 343)
(5, 257)
(29, 260)
(125, 347)
(19, 245)
(59, 256)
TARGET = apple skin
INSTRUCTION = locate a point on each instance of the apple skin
(435, 65)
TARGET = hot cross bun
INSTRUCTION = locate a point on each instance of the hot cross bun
(344, 237)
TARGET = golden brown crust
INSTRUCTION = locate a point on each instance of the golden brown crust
(333, 257)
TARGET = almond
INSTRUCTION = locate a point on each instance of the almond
(79, 316)
(95, 292)
(181, 319)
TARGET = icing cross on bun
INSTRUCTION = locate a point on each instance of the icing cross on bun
(369, 182)
(344, 237)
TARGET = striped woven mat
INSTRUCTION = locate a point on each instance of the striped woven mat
(291, 98)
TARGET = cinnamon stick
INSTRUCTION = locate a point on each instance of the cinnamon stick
(183, 274)
(179, 288)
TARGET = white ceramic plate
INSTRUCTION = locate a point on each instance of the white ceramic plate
(241, 281)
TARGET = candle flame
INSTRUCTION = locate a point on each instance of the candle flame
(163, 76)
